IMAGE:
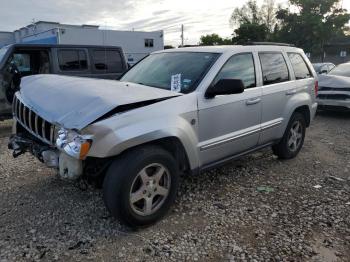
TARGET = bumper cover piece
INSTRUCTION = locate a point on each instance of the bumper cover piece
(20, 145)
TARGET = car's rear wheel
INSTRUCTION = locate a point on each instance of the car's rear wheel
(141, 185)
(293, 138)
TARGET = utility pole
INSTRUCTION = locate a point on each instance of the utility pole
(182, 35)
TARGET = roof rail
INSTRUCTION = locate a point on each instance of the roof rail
(269, 43)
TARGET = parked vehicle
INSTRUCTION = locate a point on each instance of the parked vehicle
(334, 88)
(180, 111)
(323, 68)
(19, 60)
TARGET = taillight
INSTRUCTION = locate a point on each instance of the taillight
(316, 88)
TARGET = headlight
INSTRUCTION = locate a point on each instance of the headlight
(73, 143)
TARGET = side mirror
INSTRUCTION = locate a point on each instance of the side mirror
(324, 71)
(225, 87)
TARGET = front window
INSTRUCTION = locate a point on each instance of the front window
(175, 71)
(341, 70)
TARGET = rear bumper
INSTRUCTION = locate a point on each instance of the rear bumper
(335, 103)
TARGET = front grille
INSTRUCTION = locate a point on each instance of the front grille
(35, 124)
(333, 96)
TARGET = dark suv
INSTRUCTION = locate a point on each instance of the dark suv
(19, 60)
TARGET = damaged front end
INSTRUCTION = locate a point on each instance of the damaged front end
(21, 143)
(55, 147)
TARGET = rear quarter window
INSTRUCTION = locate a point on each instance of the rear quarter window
(72, 60)
(274, 68)
(107, 61)
(301, 70)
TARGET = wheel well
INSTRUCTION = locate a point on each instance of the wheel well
(306, 112)
(174, 146)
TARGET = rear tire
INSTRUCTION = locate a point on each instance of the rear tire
(293, 138)
(140, 186)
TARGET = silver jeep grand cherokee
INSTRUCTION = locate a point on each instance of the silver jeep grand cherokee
(180, 111)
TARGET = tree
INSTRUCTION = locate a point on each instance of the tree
(214, 39)
(312, 25)
(255, 23)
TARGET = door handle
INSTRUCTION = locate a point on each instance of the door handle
(291, 92)
(253, 101)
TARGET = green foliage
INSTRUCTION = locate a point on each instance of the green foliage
(250, 32)
(214, 39)
(255, 23)
(313, 23)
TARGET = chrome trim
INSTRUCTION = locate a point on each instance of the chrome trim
(263, 127)
(24, 116)
(30, 119)
(20, 115)
(52, 131)
(43, 128)
(36, 124)
(33, 133)
(229, 139)
(270, 124)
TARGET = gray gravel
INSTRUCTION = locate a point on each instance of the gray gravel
(254, 209)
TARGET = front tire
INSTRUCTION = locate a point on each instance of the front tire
(140, 186)
(293, 138)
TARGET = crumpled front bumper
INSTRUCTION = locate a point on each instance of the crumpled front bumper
(21, 144)
(69, 168)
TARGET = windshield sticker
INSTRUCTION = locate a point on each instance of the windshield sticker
(176, 83)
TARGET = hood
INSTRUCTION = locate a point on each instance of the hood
(75, 102)
(334, 81)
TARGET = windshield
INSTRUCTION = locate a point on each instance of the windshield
(341, 70)
(3, 52)
(317, 67)
(175, 71)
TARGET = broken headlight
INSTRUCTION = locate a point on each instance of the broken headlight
(74, 144)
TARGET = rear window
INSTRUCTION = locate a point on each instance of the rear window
(108, 61)
(301, 70)
(274, 68)
(72, 60)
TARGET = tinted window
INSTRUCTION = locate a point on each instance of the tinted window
(72, 60)
(175, 71)
(274, 68)
(300, 68)
(148, 42)
(109, 61)
(239, 67)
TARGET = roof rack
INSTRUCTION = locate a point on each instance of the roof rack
(269, 43)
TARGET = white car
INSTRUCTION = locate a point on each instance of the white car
(334, 88)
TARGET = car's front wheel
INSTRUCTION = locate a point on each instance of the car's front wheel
(293, 138)
(140, 186)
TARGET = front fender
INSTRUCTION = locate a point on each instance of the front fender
(108, 142)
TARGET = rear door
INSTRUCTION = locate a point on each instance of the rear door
(277, 89)
(107, 63)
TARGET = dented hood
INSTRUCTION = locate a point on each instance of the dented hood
(333, 81)
(75, 102)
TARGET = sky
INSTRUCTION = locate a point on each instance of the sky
(199, 17)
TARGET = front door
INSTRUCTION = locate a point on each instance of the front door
(230, 124)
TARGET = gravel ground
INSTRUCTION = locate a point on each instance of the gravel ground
(254, 209)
